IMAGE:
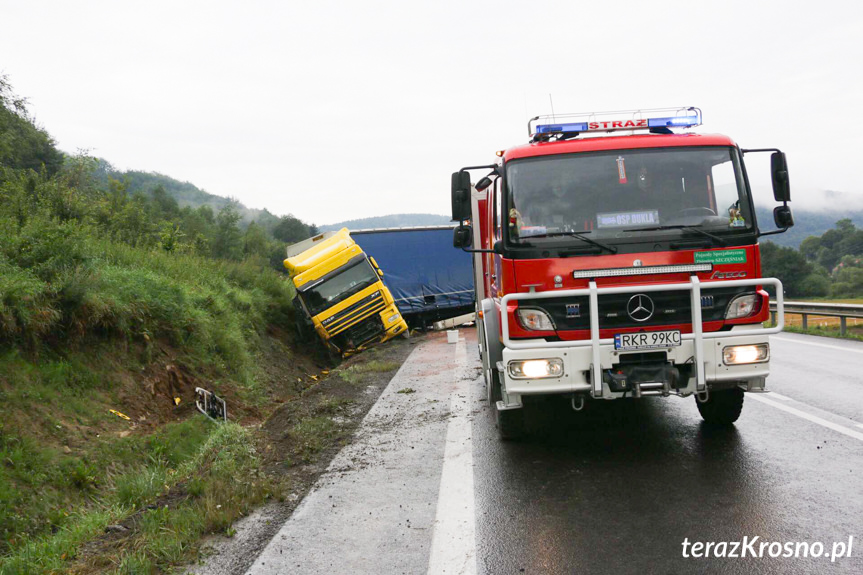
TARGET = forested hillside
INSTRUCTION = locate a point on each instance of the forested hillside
(807, 222)
(830, 264)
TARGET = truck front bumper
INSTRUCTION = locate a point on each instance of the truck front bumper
(578, 363)
(700, 355)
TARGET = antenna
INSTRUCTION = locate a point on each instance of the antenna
(552, 107)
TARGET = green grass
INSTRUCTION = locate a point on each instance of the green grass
(60, 280)
(312, 435)
(217, 463)
(42, 489)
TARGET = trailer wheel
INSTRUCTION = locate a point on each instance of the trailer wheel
(722, 407)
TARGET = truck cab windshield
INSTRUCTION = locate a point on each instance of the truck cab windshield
(333, 288)
(626, 195)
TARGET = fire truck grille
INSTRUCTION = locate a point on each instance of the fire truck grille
(669, 308)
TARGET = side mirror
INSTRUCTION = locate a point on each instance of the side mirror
(779, 169)
(462, 237)
(782, 217)
(460, 196)
(483, 184)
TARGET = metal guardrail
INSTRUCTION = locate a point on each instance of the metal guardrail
(693, 286)
(806, 308)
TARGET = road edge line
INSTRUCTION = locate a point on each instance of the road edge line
(809, 417)
(453, 546)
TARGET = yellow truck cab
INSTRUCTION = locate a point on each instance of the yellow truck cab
(340, 293)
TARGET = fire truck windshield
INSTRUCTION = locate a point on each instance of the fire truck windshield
(659, 192)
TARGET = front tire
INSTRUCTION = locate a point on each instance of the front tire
(722, 407)
(510, 422)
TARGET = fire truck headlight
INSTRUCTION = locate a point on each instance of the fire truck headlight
(534, 319)
(536, 368)
(742, 306)
(740, 354)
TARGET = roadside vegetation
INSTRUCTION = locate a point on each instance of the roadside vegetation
(825, 266)
(114, 305)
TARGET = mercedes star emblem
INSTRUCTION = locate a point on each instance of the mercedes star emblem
(640, 307)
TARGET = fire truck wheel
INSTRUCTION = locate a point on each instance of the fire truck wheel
(722, 407)
(510, 423)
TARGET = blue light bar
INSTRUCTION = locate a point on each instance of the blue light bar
(673, 122)
(567, 125)
(561, 128)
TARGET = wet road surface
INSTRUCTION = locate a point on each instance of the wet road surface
(617, 488)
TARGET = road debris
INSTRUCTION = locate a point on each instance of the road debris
(120, 415)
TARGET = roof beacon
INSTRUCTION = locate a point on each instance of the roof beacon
(659, 120)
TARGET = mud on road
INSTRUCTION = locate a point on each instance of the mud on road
(299, 440)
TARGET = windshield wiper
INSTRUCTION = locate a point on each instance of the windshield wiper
(689, 228)
(579, 235)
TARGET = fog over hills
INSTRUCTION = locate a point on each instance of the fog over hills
(389, 221)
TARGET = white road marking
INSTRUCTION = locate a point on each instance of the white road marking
(860, 425)
(840, 348)
(774, 395)
(808, 416)
(453, 548)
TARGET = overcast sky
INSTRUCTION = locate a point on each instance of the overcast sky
(340, 110)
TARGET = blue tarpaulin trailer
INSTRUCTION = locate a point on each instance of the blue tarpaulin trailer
(429, 279)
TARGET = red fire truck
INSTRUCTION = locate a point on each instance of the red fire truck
(616, 256)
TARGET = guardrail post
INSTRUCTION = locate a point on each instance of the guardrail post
(843, 325)
(805, 321)
(772, 318)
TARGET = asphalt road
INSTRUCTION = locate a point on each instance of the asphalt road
(617, 488)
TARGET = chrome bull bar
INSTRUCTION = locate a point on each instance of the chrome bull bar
(694, 286)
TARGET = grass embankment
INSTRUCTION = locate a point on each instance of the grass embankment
(88, 325)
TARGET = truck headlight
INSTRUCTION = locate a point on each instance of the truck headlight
(740, 354)
(392, 318)
(536, 368)
(534, 319)
(742, 306)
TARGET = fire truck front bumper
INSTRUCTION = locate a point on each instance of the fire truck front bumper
(566, 370)
(702, 360)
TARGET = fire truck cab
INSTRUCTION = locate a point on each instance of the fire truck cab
(616, 256)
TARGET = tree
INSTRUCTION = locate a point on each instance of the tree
(291, 230)
(228, 243)
(255, 241)
(787, 264)
(24, 145)
(170, 236)
(166, 204)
